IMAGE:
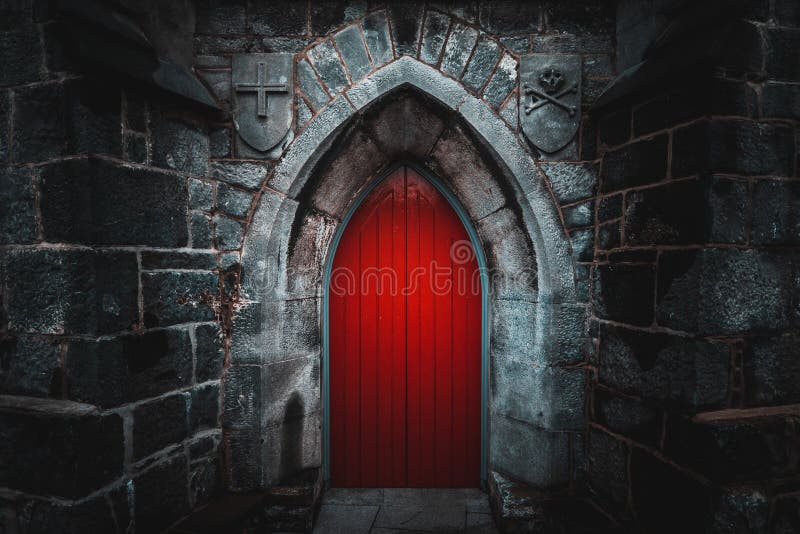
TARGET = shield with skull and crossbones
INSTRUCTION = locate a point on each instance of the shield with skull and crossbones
(550, 99)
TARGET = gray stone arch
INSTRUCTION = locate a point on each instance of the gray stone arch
(537, 329)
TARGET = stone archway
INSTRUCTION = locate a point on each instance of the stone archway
(537, 330)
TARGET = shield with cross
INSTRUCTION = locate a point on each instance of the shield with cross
(550, 99)
(263, 93)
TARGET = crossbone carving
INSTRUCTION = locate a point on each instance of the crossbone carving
(545, 98)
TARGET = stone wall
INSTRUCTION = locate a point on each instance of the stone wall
(693, 410)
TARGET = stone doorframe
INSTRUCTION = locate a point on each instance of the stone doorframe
(406, 110)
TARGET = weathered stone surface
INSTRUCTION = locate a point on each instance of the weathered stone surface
(71, 291)
(771, 367)
(458, 48)
(781, 101)
(179, 146)
(96, 202)
(169, 260)
(538, 457)
(84, 449)
(582, 244)
(221, 17)
(608, 471)
(161, 494)
(638, 163)
(159, 423)
(502, 83)
(509, 17)
(434, 32)
(712, 210)
(292, 389)
(776, 213)
(714, 291)
(608, 236)
(406, 21)
(579, 214)
(294, 332)
(246, 473)
(328, 15)
(628, 417)
(406, 127)
(200, 231)
(510, 111)
(624, 293)
(128, 368)
(178, 297)
(749, 445)
(513, 380)
(17, 220)
(293, 447)
(732, 146)
(571, 182)
(219, 142)
(310, 85)
(327, 63)
(353, 51)
(484, 58)
(271, 19)
(208, 353)
(740, 510)
(243, 174)
(21, 55)
(376, 35)
(134, 148)
(304, 113)
(510, 256)
(686, 374)
(30, 366)
(205, 404)
(228, 233)
(93, 125)
(781, 64)
(609, 208)
(232, 201)
(5, 110)
(40, 123)
(219, 82)
(242, 397)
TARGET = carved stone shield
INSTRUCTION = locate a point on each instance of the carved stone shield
(550, 99)
(263, 94)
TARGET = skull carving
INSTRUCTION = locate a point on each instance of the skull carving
(551, 80)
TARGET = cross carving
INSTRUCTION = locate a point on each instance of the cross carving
(261, 88)
(544, 98)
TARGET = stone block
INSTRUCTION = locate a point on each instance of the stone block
(219, 141)
(510, 111)
(503, 81)
(228, 233)
(724, 291)
(609, 208)
(169, 260)
(204, 482)
(712, 210)
(525, 392)
(737, 445)
(579, 214)
(111, 372)
(434, 32)
(406, 21)
(635, 164)
(200, 231)
(159, 423)
(328, 15)
(221, 17)
(781, 61)
(205, 405)
(458, 48)
(293, 447)
(18, 218)
(243, 450)
(179, 146)
(243, 174)
(683, 373)
(771, 368)
(608, 236)
(624, 293)
(627, 417)
(537, 457)
(484, 58)
(209, 354)
(744, 509)
(510, 256)
(406, 128)
(292, 389)
(734, 147)
(161, 495)
(39, 515)
(518, 44)
(571, 182)
(327, 63)
(376, 35)
(270, 19)
(653, 481)
(353, 51)
(607, 465)
(583, 244)
(776, 213)
(509, 17)
(456, 161)
(294, 328)
(83, 452)
(781, 101)
(310, 85)
(178, 297)
(71, 291)
(134, 148)
(591, 18)
(96, 202)
(233, 202)
(307, 256)
(243, 397)
(30, 366)
(94, 117)
(20, 54)
(39, 122)
(5, 139)
(303, 113)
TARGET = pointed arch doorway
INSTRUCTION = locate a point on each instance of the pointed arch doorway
(405, 340)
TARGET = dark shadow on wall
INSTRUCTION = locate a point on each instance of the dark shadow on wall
(292, 439)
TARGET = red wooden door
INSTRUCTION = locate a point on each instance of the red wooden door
(405, 343)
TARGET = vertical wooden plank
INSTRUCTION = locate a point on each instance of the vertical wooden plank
(399, 334)
(461, 477)
(414, 405)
